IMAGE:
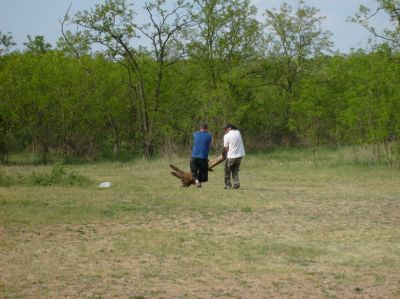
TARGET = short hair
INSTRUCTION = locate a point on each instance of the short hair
(204, 125)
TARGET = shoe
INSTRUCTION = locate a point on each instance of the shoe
(236, 186)
(197, 184)
(227, 187)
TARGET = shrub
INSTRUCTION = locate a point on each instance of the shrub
(5, 180)
(58, 176)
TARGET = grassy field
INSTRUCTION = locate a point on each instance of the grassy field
(291, 231)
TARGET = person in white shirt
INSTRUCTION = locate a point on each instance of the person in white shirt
(234, 151)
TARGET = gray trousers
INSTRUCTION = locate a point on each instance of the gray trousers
(232, 167)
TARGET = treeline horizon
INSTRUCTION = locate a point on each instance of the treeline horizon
(277, 80)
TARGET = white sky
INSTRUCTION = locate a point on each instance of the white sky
(41, 17)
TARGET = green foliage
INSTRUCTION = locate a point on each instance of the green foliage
(223, 40)
(6, 180)
(390, 8)
(59, 176)
(6, 42)
(37, 45)
(276, 80)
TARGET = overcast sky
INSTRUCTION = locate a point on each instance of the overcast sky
(41, 17)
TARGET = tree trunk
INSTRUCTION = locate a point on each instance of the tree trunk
(148, 148)
(45, 152)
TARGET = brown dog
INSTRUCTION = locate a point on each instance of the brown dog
(186, 177)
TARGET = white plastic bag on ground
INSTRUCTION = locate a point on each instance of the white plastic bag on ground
(105, 185)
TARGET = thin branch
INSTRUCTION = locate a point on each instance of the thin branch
(71, 47)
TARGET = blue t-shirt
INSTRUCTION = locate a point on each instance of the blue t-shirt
(201, 145)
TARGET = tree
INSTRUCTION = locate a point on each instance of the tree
(73, 44)
(6, 42)
(314, 117)
(165, 31)
(37, 45)
(293, 38)
(7, 124)
(112, 25)
(225, 34)
(389, 7)
(6, 114)
(28, 82)
(370, 114)
(223, 39)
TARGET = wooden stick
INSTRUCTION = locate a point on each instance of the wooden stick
(186, 177)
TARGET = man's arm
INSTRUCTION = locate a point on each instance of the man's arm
(226, 147)
(225, 151)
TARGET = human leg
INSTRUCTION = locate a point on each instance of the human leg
(227, 173)
(235, 172)
(203, 170)
(194, 169)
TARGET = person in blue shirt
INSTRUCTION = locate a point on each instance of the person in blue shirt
(199, 159)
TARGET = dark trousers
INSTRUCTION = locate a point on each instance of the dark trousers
(199, 169)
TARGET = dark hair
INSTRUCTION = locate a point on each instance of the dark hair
(230, 126)
(204, 125)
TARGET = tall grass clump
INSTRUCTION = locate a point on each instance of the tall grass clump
(59, 176)
(6, 180)
(340, 156)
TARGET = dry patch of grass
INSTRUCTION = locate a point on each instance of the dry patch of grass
(291, 231)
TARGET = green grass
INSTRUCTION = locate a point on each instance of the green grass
(291, 230)
(58, 176)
